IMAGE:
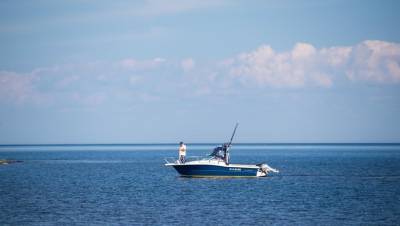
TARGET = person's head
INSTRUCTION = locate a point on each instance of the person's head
(181, 143)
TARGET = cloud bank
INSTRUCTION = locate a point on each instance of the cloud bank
(373, 61)
(130, 79)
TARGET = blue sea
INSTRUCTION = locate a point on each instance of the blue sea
(318, 184)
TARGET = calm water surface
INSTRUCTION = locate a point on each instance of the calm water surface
(129, 185)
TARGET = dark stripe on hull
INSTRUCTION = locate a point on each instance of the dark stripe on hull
(210, 170)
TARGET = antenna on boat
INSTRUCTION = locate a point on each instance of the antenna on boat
(233, 134)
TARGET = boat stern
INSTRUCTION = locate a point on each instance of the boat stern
(264, 169)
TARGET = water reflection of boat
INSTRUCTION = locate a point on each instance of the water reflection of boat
(217, 165)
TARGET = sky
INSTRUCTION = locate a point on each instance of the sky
(153, 71)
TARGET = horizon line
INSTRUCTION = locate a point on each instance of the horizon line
(202, 143)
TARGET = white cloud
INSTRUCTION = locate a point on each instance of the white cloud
(128, 80)
(373, 61)
(394, 70)
(86, 84)
(322, 80)
(335, 56)
(16, 87)
(187, 64)
(264, 66)
(303, 51)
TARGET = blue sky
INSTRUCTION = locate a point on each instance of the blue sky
(166, 71)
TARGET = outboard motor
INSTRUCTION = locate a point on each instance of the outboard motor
(266, 168)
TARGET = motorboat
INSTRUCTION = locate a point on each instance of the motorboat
(217, 165)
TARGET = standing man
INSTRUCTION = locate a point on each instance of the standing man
(182, 152)
(226, 153)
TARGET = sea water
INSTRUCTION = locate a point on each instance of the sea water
(352, 184)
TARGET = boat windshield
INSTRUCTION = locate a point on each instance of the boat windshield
(219, 152)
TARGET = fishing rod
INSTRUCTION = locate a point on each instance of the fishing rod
(227, 146)
(233, 134)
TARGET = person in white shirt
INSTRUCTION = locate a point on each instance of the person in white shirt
(182, 152)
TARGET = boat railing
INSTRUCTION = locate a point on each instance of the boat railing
(174, 160)
(170, 160)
